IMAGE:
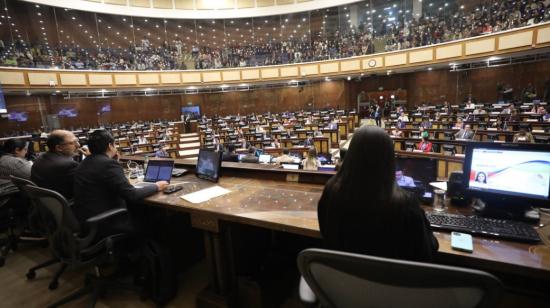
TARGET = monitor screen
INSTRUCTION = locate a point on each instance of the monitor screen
(209, 164)
(264, 158)
(241, 156)
(3, 108)
(324, 159)
(415, 173)
(105, 108)
(159, 170)
(18, 116)
(509, 171)
(68, 113)
(193, 111)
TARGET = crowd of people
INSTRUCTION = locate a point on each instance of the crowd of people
(360, 39)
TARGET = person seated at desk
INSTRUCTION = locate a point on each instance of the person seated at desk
(479, 111)
(311, 162)
(162, 151)
(13, 162)
(309, 141)
(55, 169)
(425, 145)
(142, 139)
(538, 109)
(285, 158)
(497, 124)
(523, 136)
(465, 134)
(424, 133)
(459, 124)
(400, 124)
(403, 117)
(276, 143)
(363, 210)
(251, 156)
(426, 124)
(396, 133)
(100, 184)
(230, 155)
(546, 116)
(529, 93)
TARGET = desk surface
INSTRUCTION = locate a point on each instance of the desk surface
(292, 207)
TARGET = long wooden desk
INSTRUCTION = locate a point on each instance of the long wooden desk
(292, 208)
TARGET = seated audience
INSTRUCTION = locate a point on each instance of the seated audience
(230, 155)
(100, 184)
(162, 151)
(55, 169)
(523, 136)
(425, 145)
(285, 158)
(251, 156)
(396, 133)
(466, 133)
(13, 162)
(311, 162)
(403, 117)
(426, 124)
(362, 210)
(459, 124)
(142, 139)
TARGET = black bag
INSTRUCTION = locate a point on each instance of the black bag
(158, 273)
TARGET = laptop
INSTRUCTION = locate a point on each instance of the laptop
(264, 158)
(157, 170)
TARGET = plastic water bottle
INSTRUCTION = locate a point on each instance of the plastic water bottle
(145, 162)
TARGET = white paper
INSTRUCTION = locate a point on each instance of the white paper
(205, 194)
(439, 185)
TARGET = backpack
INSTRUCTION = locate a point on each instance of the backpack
(157, 273)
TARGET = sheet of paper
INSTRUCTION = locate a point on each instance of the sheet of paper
(205, 194)
(439, 185)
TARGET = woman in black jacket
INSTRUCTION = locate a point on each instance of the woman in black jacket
(362, 210)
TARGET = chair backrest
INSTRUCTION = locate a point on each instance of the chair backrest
(34, 221)
(341, 279)
(61, 226)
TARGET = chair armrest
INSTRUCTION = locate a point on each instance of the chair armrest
(105, 215)
(306, 294)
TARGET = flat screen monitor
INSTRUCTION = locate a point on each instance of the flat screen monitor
(415, 173)
(18, 116)
(193, 111)
(105, 108)
(209, 165)
(324, 159)
(265, 158)
(3, 108)
(508, 170)
(68, 113)
(159, 170)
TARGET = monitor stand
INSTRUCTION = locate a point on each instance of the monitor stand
(505, 209)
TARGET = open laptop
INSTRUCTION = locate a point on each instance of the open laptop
(157, 170)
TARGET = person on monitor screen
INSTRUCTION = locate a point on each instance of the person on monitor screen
(363, 210)
(402, 180)
(481, 177)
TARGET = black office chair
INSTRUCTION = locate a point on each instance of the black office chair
(339, 279)
(71, 247)
(37, 226)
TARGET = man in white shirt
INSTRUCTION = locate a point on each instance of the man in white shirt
(402, 180)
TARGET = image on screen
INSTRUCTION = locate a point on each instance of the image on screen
(105, 108)
(193, 111)
(3, 108)
(18, 116)
(208, 165)
(68, 113)
(264, 158)
(159, 170)
(415, 173)
(510, 172)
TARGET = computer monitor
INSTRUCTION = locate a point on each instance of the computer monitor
(194, 112)
(69, 112)
(415, 174)
(159, 170)
(325, 158)
(504, 173)
(209, 165)
(264, 158)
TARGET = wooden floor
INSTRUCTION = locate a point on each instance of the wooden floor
(17, 291)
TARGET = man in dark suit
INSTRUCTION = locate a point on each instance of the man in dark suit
(55, 169)
(250, 157)
(100, 184)
(230, 155)
(465, 134)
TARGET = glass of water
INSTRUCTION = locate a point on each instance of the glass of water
(439, 200)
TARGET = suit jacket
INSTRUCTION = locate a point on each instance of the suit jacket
(250, 158)
(100, 185)
(463, 134)
(56, 172)
(230, 157)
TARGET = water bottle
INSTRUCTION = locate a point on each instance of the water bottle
(145, 162)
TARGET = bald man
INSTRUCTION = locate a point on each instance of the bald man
(55, 169)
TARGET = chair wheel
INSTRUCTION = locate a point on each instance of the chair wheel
(53, 285)
(31, 275)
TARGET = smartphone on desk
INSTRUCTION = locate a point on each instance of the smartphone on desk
(462, 242)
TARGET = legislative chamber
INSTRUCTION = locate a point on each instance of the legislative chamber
(274, 153)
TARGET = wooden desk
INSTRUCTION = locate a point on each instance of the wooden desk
(292, 208)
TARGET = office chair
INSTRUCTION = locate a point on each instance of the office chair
(70, 247)
(13, 219)
(339, 279)
(37, 226)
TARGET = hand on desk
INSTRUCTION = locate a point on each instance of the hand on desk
(161, 185)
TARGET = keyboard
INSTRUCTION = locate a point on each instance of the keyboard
(499, 228)
(178, 172)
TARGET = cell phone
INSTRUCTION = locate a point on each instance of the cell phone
(462, 242)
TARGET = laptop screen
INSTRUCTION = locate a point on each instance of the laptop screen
(265, 158)
(209, 164)
(159, 170)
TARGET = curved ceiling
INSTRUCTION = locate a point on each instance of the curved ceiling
(194, 9)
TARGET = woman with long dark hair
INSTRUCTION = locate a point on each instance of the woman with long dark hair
(362, 210)
(12, 161)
